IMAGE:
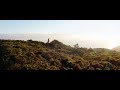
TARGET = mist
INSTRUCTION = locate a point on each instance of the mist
(64, 38)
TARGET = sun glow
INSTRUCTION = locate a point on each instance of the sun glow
(113, 43)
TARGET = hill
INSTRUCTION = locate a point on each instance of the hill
(36, 55)
(116, 48)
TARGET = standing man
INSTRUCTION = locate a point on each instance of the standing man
(48, 40)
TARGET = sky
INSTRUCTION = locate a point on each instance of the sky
(88, 33)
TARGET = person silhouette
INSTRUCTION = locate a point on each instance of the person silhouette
(48, 40)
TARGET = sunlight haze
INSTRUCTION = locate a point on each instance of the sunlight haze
(87, 33)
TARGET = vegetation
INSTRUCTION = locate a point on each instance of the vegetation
(34, 55)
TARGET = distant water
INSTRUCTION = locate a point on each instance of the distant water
(66, 39)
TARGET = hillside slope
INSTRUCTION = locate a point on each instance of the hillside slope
(34, 55)
(116, 48)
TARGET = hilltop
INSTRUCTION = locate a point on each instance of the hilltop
(36, 55)
(116, 48)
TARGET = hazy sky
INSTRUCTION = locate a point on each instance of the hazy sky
(104, 31)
